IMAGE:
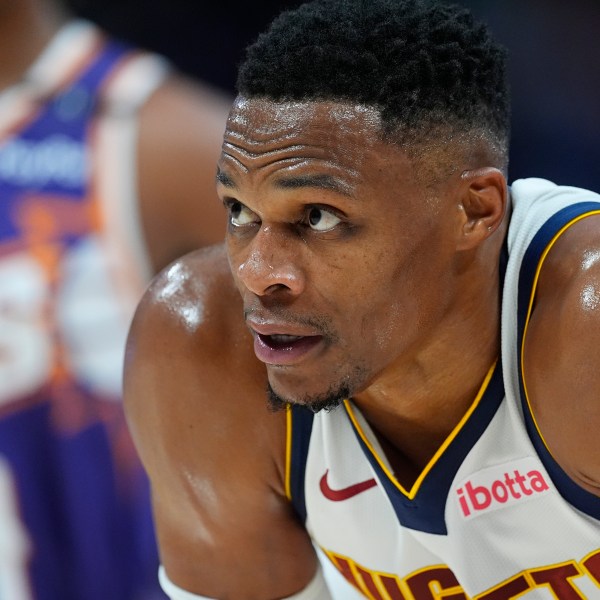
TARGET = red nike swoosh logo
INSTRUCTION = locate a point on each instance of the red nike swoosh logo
(344, 493)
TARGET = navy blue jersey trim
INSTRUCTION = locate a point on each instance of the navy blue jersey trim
(301, 422)
(426, 511)
(581, 499)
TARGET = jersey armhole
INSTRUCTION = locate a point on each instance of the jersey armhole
(532, 263)
(135, 77)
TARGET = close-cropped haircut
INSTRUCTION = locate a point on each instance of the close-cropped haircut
(426, 66)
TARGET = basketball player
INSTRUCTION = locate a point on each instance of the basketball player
(106, 175)
(430, 335)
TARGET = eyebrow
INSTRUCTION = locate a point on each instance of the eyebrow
(225, 180)
(323, 182)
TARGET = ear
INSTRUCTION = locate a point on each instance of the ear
(483, 203)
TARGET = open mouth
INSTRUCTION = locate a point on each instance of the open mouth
(284, 349)
(280, 341)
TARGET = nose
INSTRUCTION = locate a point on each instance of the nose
(271, 264)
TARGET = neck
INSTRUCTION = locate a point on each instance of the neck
(417, 411)
(419, 399)
(26, 27)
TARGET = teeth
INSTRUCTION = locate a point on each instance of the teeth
(281, 338)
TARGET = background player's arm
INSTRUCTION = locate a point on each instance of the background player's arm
(181, 130)
(562, 353)
(196, 405)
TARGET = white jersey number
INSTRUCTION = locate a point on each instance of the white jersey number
(14, 543)
(25, 344)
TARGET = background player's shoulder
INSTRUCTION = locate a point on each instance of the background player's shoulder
(180, 136)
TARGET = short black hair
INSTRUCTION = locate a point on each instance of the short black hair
(422, 64)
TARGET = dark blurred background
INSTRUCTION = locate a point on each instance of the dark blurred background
(554, 47)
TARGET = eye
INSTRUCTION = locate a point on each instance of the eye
(240, 215)
(320, 219)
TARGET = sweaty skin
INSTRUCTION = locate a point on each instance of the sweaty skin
(343, 270)
(355, 277)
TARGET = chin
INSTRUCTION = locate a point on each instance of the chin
(315, 392)
(315, 403)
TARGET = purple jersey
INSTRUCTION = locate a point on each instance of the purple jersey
(74, 502)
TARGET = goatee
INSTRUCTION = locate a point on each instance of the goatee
(328, 401)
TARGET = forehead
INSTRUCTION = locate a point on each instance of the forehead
(262, 118)
(265, 134)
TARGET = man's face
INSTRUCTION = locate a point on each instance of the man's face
(344, 261)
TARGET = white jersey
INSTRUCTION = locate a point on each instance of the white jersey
(492, 516)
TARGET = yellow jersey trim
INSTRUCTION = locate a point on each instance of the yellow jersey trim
(288, 453)
(411, 494)
(530, 310)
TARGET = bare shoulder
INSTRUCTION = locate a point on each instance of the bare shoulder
(181, 130)
(562, 352)
(189, 349)
(197, 293)
(196, 405)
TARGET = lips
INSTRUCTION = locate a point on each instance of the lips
(277, 344)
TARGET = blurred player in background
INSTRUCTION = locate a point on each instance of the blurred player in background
(106, 175)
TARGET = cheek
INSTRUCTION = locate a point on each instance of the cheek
(385, 323)
(374, 302)
(393, 328)
(234, 260)
(395, 299)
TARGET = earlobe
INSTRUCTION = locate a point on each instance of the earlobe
(483, 205)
